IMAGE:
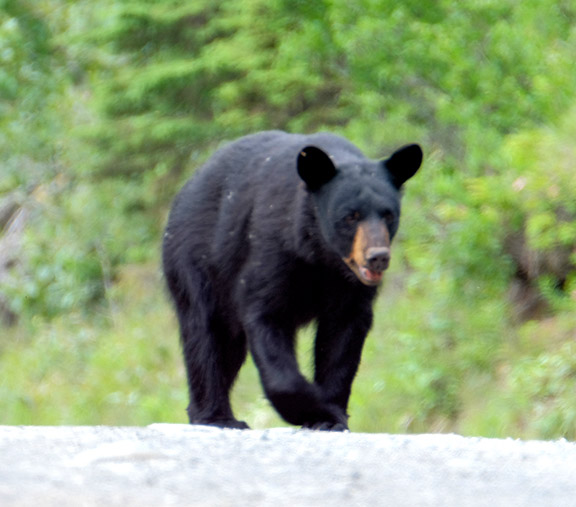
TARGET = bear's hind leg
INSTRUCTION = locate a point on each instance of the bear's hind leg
(213, 355)
(212, 365)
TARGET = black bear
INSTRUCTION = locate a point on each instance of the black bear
(275, 231)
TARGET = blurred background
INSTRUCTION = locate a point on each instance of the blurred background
(107, 107)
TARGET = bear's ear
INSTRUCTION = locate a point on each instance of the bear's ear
(315, 167)
(403, 164)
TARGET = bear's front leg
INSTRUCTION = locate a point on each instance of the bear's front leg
(338, 348)
(298, 401)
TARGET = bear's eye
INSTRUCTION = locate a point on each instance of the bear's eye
(353, 217)
(388, 216)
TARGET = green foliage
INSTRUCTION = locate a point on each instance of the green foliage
(547, 382)
(533, 200)
(26, 91)
(542, 383)
(119, 370)
(71, 254)
(202, 72)
(544, 162)
(106, 107)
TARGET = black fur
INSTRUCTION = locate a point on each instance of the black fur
(254, 249)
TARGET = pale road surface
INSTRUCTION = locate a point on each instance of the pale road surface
(184, 465)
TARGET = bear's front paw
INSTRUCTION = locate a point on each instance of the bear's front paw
(331, 418)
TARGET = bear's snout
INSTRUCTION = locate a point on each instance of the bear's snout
(378, 258)
(370, 255)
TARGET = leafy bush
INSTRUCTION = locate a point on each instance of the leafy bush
(542, 389)
(532, 199)
(75, 241)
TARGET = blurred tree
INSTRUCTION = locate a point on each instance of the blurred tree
(27, 88)
(186, 76)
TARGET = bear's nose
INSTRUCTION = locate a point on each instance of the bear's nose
(378, 258)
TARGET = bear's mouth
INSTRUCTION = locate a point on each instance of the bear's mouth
(366, 275)
(370, 276)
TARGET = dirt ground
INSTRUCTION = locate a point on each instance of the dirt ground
(185, 465)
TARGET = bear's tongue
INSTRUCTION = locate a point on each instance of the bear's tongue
(371, 276)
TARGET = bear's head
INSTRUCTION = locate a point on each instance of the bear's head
(357, 204)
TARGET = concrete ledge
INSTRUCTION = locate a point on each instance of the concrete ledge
(166, 464)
